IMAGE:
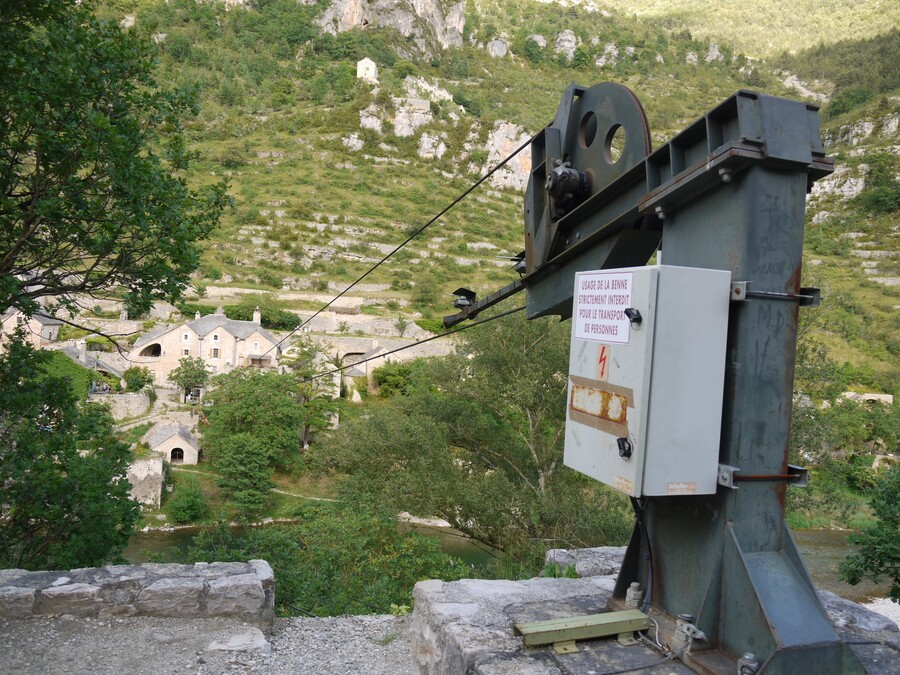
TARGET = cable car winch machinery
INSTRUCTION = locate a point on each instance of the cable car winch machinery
(681, 374)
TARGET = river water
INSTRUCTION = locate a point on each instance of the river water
(822, 550)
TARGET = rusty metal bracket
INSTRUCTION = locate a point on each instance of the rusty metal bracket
(807, 297)
(727, 476)
(797, 476)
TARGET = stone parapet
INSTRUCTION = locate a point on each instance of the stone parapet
(221, 589)
(467, 626)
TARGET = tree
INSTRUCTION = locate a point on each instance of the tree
(137, 377)
(191, 372)
(401, 325)
(880, 544)
(272, 311)
(91, 157)
(187, 505)
(65, 500)
(243, 459)
(279, 410)
(477, 439)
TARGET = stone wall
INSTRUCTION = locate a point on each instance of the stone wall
(146, 478)
(242, 590)
(123, 405)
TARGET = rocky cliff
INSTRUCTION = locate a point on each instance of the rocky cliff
(432, 24)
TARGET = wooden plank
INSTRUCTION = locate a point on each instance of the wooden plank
(582, 627)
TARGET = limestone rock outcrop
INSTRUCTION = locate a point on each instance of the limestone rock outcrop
(503, 139)
(410, 114)
(432, 24)
(566, 43)
(497, 48)
(431, 147)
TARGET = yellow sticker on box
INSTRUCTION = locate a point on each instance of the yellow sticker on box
(624, 485)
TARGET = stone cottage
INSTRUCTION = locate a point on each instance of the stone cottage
(40, 329)
(365, 364)
(224, 344)
(174, 441)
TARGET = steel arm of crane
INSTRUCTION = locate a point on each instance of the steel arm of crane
(620, 225)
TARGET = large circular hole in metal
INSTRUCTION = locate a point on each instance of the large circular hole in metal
(587, 130)
(614, 145)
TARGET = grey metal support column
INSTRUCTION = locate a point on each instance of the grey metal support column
(729, 559)
(727, 193)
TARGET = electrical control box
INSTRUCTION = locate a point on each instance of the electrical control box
(646, 378)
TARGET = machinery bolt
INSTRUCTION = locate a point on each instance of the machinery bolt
(683, 625)
(747, 664)
(660, 212)
(634, 595)
(725, 174)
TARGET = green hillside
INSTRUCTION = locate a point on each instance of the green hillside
(281, 111)
(767, 27)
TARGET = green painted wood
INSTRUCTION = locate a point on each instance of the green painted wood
(582, 627)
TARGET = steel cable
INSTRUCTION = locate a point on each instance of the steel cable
(412, 236)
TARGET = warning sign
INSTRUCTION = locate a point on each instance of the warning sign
(601, 299)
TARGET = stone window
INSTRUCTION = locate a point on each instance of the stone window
(185, 337)
(185, 352)
(215, 353)
(255, 347)
(216, 337)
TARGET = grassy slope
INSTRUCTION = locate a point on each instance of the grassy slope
(767, 27)
(276, 108)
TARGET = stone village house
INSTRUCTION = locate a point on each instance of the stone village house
(224, 344)
(40, 329)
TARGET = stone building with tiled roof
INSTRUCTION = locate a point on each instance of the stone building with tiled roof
(40, 329)
(224, 344)
(174, 441)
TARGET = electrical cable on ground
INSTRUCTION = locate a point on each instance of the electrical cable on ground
(415, 234)
(648, 556)
(400, 349)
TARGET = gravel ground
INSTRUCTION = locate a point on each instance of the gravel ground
(363, 645)
(368, 645)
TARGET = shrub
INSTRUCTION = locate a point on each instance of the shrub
(392, 378)
(335, 561)
(187, 505)
(431, 325)
(136, 378)
(880, 552)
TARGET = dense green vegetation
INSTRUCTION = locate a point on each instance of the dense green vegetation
(85, 206)
(880, 545)
(859, 70)
(336, 560)
(65, 499)
(261, 421)
(477, 439)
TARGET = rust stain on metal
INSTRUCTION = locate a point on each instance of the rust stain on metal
(600, 405)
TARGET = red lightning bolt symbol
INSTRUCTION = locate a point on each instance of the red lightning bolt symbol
(602, 362)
